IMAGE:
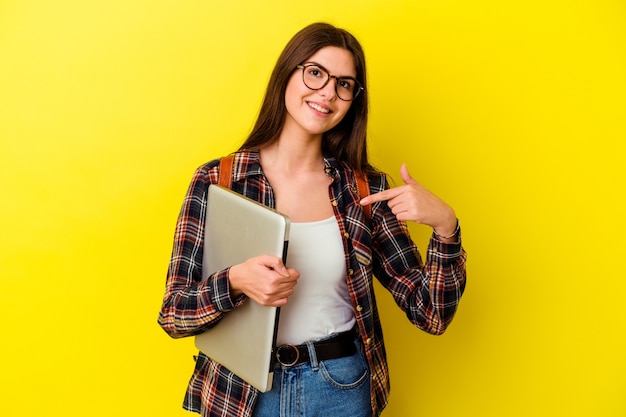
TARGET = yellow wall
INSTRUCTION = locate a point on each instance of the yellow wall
(511, 111)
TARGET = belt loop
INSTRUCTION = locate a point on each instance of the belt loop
(312, 356)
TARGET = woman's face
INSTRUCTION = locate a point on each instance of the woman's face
(313, 112)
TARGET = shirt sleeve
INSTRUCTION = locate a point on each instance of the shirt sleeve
(190, 304)
(428, 292)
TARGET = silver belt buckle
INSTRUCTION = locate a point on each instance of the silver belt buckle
(287, 354)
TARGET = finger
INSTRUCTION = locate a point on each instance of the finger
(275, 264)
(281, 302)
(287, 281)
(381, 196)
(406, 177)
(274, 301)
(293, 274)
(283, 291)
(396, 206)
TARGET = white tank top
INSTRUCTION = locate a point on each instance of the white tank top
(320, 304)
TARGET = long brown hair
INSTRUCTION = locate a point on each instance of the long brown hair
(347, 140)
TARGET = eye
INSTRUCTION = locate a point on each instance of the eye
(315, 72)
(346, 83)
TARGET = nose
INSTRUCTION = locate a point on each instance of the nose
(329, 91)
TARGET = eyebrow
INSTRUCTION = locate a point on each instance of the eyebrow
(324, 68)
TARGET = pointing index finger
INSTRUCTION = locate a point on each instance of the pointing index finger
(381, 196)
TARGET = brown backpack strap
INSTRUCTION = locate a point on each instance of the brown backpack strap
(364, 190)
(226, 171)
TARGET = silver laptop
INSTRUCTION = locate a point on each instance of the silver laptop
(238, 228)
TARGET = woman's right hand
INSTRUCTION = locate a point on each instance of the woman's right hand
(265, 279)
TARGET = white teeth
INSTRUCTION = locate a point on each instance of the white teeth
(319, 108)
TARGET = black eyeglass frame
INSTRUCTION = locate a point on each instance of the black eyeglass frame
(357, 88)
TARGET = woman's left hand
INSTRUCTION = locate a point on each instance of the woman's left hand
(412, 201)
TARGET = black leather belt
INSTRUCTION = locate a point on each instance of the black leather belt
(338, 346)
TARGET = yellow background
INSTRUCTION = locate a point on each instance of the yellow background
(512, 111)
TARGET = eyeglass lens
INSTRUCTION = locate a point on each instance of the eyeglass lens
(316, 78)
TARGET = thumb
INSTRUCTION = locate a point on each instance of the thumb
(406, 177)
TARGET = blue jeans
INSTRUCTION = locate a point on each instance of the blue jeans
(336, 387)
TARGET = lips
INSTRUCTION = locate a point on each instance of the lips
(318, 107)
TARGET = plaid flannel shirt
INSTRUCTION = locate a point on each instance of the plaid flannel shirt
(381, 246)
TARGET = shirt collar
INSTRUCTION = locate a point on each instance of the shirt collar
(331, 166)
(247, 164)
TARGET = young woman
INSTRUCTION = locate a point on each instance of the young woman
(302, 158)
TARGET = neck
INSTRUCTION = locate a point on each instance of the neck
(294, 151)
(292, 156)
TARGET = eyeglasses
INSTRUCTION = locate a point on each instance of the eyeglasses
(315, 77)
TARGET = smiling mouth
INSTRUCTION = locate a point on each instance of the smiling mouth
(318, 108)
